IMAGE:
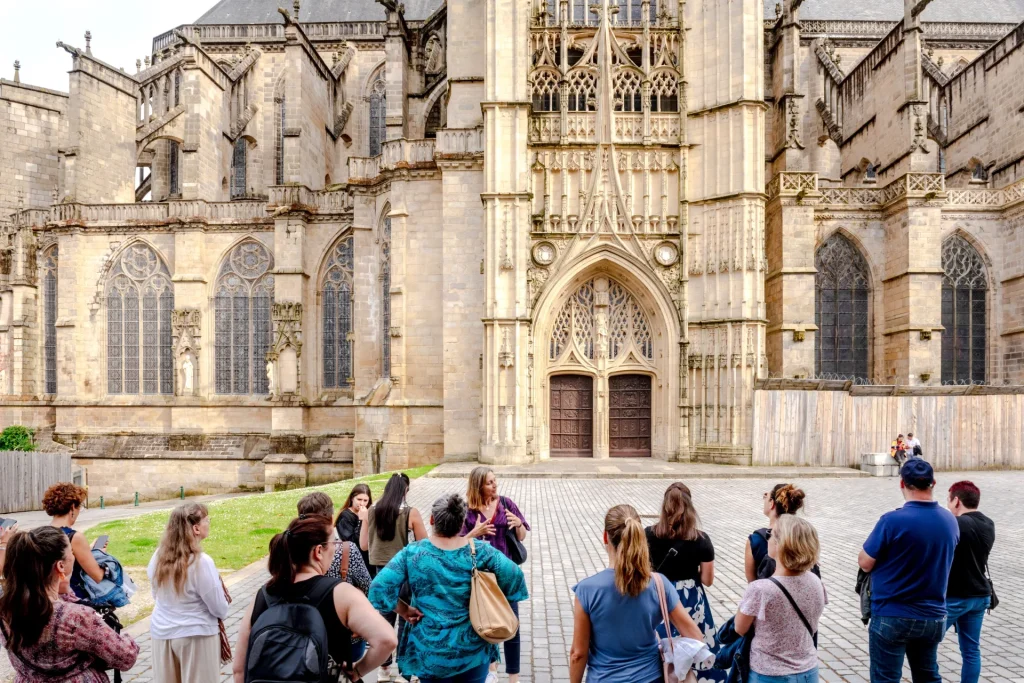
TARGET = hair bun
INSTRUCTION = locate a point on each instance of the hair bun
(790, 499)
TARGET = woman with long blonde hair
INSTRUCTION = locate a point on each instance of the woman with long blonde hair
(617, 610)
(190, 601)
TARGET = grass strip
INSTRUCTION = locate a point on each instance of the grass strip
(240, 528)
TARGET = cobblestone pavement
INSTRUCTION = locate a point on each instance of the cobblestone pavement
(565, 546)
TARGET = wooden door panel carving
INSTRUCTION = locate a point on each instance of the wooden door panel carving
(572, 416)
(629, 414)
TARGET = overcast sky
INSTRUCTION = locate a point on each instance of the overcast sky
(122, 31)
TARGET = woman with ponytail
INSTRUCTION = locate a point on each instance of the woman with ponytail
(783, 499)
(685, 555)
(48, 637)
(617, 610)
(299, 560)
(190, 601)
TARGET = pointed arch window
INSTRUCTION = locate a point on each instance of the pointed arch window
(336, 315)
(576, 324)
(627, 91)
(664, 92)
(173, 167)
(385, 293)
(582, 90)
(378, 115)
(140, 299)
(238, 164)
(279, 141)
(545, 91)
(964, 294)
(243, 295)
(49, 281)
(177, 88)
(841, 310)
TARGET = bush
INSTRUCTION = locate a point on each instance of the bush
(17, 438)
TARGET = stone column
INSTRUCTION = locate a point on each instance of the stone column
(68, 245)
(913, 282)
(396, 73)
(506, 228)
(789, 284)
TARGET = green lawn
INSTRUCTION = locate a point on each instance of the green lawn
(240, 528)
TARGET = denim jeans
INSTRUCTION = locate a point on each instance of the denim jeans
(892, 638)
(967, 614)
(477, 675)
(806, 677)
(512, 646)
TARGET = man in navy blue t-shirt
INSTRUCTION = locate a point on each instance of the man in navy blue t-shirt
(909, 555)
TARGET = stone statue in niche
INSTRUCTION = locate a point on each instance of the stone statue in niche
(188, 382)
(270, 377)
(433, 55)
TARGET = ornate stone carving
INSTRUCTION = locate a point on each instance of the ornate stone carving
(287, 319)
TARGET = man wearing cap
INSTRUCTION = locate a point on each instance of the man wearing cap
(909, 555)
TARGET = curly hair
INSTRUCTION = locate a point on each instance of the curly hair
(60, 498)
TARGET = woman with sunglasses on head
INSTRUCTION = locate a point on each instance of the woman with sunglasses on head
(783, 499)
(299, 560)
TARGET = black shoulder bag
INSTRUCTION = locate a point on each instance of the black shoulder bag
(516, 549)
(993, 599)
(814, 634)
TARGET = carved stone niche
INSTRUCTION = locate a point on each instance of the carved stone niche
(283, 359)
(185, 340)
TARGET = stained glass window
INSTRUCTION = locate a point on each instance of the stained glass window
(964, 290)
(841, 310)
(140, 299)
(336, 315)
(173, 161)
(378, 116)
(49, 280)
(385, 293)
(238, 161)
(242, 325)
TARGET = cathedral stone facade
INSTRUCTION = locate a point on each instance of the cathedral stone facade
(296, 243)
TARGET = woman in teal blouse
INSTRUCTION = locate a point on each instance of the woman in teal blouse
(440, 645)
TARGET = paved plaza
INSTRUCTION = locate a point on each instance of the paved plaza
(564, 547)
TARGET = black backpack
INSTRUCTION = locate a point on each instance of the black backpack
(288, 642)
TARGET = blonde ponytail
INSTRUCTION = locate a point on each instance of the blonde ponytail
(633, 559)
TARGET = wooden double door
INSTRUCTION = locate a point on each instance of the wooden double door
(628, 410)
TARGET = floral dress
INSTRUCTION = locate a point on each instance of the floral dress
(683, 569)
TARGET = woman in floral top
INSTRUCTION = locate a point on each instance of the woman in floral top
(48, 637)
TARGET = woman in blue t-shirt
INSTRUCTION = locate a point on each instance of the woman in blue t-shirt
(617, 610)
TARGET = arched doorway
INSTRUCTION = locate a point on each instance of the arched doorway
(602, 361)
(572, 416)
(629, 416)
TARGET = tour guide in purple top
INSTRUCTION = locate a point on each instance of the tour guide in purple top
(490, 518)
(909, 555)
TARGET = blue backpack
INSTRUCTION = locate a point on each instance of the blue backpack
(288, 641)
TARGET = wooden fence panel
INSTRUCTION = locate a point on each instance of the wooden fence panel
(24, 477)
(834, 428)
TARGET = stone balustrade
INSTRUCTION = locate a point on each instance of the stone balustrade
(189, 210)
(456, 142)
(395, 155)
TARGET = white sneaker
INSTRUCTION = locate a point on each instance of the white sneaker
(384, 675)
(492, 677)
(399, 678)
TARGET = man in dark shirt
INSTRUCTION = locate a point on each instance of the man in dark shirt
(968, 594)
(909, 554)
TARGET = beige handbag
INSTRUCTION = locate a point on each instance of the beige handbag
(489, 612)
(667, 667)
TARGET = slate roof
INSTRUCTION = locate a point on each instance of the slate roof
(265, 11)
(972, 11)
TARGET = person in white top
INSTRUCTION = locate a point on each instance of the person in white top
(189, 601)
(914, 445)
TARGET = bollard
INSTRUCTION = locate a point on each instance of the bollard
(136, 499)
(181, 492)
(101, 502)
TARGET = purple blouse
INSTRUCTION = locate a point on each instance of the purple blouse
(498, 540)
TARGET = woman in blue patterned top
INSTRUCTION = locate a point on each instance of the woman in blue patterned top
(440, 645)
